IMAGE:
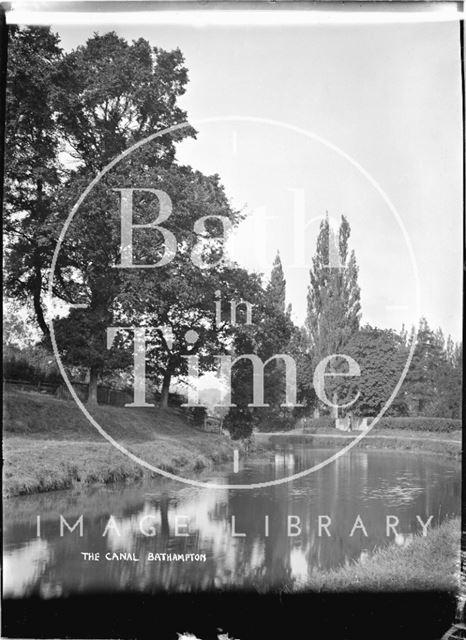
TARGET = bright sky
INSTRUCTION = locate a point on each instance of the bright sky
(386, 95)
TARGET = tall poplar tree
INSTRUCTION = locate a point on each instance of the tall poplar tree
(333, 299)
(268, 336)
(276, 290)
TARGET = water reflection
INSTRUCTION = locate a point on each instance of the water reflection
(25, 565)
(246, 536)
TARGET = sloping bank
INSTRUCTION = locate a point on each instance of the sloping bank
(422, 563)
(445, 444)
(49, 444)
(419, 563)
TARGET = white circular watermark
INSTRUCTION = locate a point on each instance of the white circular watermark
(329, 145)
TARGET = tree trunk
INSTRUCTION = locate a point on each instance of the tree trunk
(164, 525)
(37, 301)
(334, 412)
(165, 388)
(92, 387)
(37, 279)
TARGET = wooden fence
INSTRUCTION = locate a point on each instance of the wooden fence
(212, 424)
(27, 385)
(105, 395)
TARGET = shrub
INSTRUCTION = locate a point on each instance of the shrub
(34, 364)
(18, 369)
(316, 424)
(420, 423)
(271, 419)
(239, 421)
(195, 415)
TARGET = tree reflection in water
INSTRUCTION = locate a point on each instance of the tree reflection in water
(370, 484)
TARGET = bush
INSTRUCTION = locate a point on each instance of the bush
(272, 419)
(34, 364)
(195, 415)
(18, 369)
(239, 421)
(316, 424)
(419, 423)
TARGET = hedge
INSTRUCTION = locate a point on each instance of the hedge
(436, 425)
(271, 422)
(195, 415)
(316, 424)
(439, 425)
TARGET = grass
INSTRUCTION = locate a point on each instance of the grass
(49, 444)
(405, 423)
(426, 563)
(445, 444)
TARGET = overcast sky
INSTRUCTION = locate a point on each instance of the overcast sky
(388, 96)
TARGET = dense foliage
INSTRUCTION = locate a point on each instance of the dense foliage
(68, 115)
(418, 423)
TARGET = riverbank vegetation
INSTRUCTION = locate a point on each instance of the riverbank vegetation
(448, 444)
(395, 423)
(239, 311)
(442, 436)
(417, 563)
(192, 312)
(49, 444)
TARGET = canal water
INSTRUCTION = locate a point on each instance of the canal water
(267, 538)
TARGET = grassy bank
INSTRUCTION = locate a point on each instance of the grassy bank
(49, 444)
(448, 444)
(425, 563)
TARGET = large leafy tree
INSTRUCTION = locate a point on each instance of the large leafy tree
(67, 117)
(381, 356)
(169, 300)
(180, 296)
(108, 95)
(452, 407)
(268, 336)
(420, 385)
(111, 93)
(433, 383)
(31, 168)
(447, 378)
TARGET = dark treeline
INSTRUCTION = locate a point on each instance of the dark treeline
(68, 115)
